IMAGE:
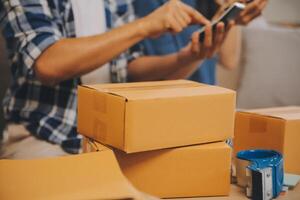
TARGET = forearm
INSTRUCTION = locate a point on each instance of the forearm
(151, 68)
(74, 57)
(231, 49)
(188, 64)
(185, 71)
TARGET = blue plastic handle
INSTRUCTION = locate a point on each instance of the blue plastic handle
(261, 159)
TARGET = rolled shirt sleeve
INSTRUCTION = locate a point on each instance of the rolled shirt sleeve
(29, 29)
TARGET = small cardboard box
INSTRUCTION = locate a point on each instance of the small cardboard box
(273, 128)
(85, 176)
(136, 117)
(192, 171)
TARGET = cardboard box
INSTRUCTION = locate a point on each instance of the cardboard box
(86, 176)
(136, 117)
(274, 128)
(192, 171)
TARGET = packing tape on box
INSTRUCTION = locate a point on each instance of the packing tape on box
(261, 172)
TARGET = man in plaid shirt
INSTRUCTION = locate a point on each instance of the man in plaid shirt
(47, 62)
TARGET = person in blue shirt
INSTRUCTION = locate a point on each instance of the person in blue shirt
(168, 43)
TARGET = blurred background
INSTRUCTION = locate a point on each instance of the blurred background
(269, 72)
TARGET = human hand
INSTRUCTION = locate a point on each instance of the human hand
(213, 41)
(173, 17)
(252, 10)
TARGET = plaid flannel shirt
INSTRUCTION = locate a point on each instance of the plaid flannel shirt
(31, 26)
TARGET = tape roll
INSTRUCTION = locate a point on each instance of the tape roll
(253, 161)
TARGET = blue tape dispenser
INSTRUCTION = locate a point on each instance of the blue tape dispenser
(264, 173)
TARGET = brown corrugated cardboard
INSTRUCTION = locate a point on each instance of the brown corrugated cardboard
(87, 176)
(272, 128)
(199, 170)
(145, 116)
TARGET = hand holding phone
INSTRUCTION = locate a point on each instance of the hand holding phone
(253, 9)
(230, 14)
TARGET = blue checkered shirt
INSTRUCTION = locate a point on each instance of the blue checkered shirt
(29, 27)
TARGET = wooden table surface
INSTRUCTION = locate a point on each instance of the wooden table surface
(238, 193)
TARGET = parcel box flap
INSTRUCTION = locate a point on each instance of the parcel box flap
(286, 113)
(159, 89)
(86, 176)
(136, 85)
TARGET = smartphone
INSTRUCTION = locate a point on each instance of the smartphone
(229, 14)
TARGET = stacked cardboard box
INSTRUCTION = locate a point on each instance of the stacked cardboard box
(159, 132)
(271, 128)
(198, 170)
